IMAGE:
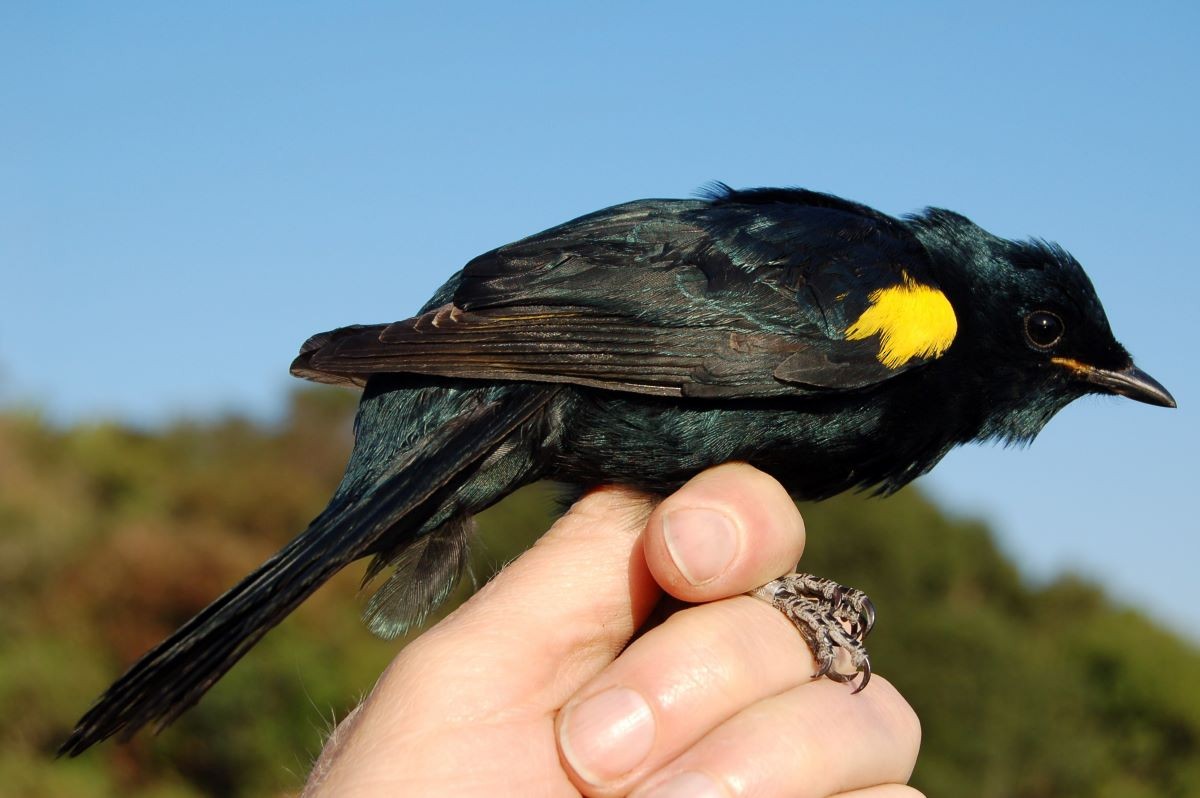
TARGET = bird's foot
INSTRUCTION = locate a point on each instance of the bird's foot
(829, 617)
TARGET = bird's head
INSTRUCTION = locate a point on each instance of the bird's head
(1030, 320)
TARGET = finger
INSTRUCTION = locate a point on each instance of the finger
(547, 622)
(883, 791)
(675, 684)
(498, 668)
(813, 741)
(728, 530)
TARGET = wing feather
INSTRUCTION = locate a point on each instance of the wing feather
(553, 345)
(741, 295)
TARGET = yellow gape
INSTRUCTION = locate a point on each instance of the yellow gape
(912, 320)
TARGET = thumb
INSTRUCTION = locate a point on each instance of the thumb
(549, 621)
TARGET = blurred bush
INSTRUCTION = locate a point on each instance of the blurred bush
(111, 536)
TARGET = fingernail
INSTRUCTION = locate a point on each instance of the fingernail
(607, 735)
(686, 785)
(701, 542)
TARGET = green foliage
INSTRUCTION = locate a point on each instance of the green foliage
(110, 537)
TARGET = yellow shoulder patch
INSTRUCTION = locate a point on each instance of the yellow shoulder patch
(912, 320)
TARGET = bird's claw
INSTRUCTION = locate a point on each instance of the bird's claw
(829, 617)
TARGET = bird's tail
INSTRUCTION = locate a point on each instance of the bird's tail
(174, 675)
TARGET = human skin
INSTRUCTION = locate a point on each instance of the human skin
(533, 688)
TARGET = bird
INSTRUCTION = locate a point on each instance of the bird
(831, 345)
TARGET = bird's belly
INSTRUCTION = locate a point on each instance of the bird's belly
(814, 450)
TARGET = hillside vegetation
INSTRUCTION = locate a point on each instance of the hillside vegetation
(111, 536)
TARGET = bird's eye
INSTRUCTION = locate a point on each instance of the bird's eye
(1043, 329)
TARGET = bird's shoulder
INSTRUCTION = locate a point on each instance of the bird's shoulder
(790, 259)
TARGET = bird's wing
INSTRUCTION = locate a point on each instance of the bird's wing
(745, 294)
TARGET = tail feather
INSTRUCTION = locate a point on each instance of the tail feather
(173, 676)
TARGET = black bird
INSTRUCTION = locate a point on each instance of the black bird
(824, 342)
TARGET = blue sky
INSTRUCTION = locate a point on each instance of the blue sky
(188, 190)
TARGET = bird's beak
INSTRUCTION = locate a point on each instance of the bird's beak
(1130, 381)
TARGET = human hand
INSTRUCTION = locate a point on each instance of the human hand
(533, 688)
